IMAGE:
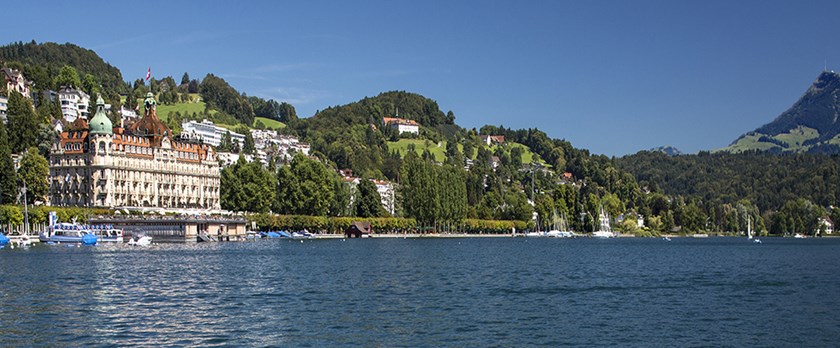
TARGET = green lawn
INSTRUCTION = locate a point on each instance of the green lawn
(273, 124)
(163, 111)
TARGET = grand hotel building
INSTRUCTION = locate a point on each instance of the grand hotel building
(95, 164)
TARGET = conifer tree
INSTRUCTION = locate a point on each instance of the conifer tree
(8, 176)
(369, 203)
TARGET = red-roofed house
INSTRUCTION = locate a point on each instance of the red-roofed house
(402, 125)
(492, 139)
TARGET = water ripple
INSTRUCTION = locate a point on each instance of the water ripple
(424, 292)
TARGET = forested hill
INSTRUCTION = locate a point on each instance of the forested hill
(389, 104)
(43, 61)
(765, 179)
(812, 124)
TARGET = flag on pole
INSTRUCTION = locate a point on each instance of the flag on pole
(149, 74)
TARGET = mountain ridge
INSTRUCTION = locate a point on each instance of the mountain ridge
(810, 125)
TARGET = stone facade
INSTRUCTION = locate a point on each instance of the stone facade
(97, 165)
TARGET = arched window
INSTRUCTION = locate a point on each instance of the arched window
(101, 148)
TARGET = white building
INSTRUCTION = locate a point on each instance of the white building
(127, 112)
(4, 107)
(826, 225)
(386, 194)
(402, 125)
(384, 188)
(74, 103)
(209, 133)
(284, 147)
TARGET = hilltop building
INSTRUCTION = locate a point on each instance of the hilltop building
(492, 139)
(16, 82)
(208, 133)
(95, 164)
(74, 103)
(402, 125)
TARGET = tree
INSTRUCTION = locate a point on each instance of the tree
(193, 86)
(226, 143)
(8, 176)
(34, 171)
(45, 138)
(304, 187)
(247, 187)
(22, 123)
(185, 79)
(369, 203)
(90, 85)
(68, 77)
(248, 146)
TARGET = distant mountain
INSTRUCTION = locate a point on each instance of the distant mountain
(668, 150)
(811, 125)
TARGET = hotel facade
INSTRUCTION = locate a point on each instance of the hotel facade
(94, 164)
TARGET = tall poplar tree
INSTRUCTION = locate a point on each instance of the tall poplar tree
(8, 176)
(23, 124)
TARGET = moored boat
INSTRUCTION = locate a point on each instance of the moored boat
(113, 235)
(65, 232)
(140, 241)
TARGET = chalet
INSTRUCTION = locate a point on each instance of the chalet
(402, 125)
(492, 139)
(16, 82)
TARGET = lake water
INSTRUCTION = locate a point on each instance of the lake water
(477, 292)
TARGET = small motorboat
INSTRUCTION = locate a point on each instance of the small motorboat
(140, 241)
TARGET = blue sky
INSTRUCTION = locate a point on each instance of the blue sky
(614, 77)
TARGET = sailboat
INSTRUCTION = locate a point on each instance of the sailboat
(604, 229)
(561, 231)
(749, 231)
(554, 231)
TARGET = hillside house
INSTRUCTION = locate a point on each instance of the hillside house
(825, 225)
(74, 103)
(492, 139)
(15, 81)
(402, 125)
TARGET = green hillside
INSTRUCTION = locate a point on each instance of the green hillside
(439, 150)
(273, 124)
(163, 111)
(795, 141)
(809, 125)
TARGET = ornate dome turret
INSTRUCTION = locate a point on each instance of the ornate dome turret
(100, 123)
